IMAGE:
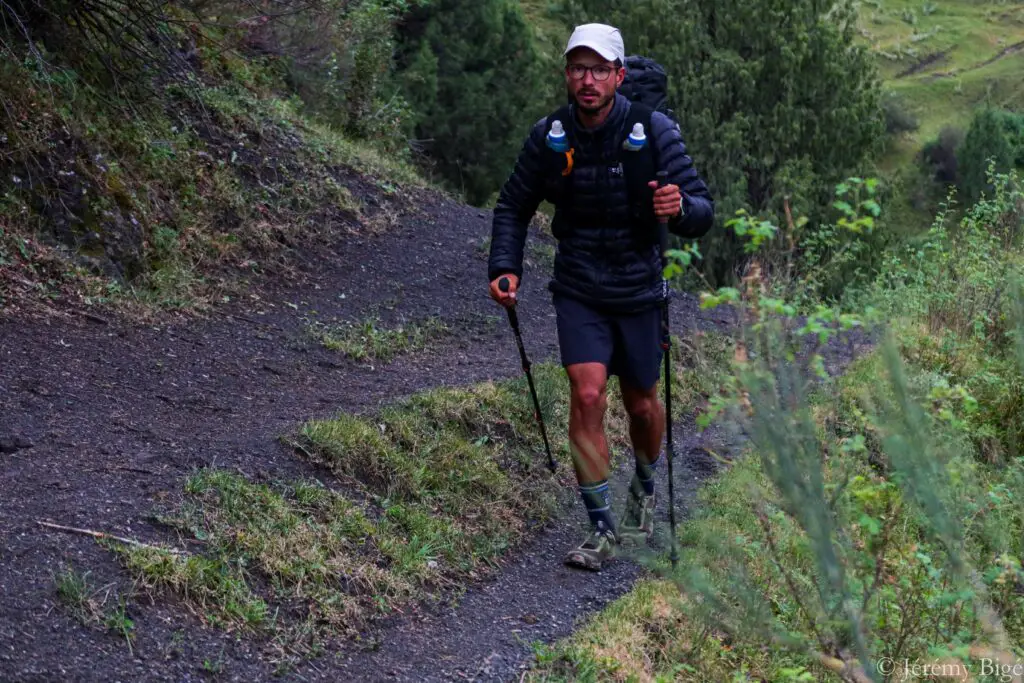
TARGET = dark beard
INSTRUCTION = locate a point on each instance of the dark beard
(593, 111)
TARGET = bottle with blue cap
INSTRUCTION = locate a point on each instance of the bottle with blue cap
(636, 140)
(557, 139)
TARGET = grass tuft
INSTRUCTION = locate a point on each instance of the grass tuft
(369, 340)
(218, 589)
(95, 606)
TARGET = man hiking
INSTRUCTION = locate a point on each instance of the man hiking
(608, 286)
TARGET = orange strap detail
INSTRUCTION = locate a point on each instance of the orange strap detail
(568, 162)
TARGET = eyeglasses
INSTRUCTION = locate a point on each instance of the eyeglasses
(600, 72)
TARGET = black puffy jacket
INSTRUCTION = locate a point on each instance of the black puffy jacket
(603, 257)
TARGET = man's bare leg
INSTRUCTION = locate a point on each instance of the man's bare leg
(646, 430)
(587, 406)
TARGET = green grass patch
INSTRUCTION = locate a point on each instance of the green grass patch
(369, 340)
(105, 607)
(309, 546)
(438, 486)
(215, 591)
(640, 636)
(944, 37)
(428, 492)
(458, 473)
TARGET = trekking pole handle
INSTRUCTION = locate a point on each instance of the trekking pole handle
(503, 285)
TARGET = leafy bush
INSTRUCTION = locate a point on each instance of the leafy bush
(940, 155)
(338, 59)
(898, 119)
(994, 138)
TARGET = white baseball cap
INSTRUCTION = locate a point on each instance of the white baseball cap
(603, 39)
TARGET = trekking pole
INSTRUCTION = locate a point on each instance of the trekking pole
(513, 319)
(666, 346)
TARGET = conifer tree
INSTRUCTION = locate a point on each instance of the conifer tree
(471, 71)
(994, 136)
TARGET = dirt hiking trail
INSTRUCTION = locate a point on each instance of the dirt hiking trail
(100, 421)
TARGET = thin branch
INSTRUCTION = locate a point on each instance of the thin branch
(101, 534)
(879, 563)
(24, 30)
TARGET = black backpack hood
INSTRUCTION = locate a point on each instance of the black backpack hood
(647, 83)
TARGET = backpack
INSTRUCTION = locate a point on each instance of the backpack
(647, 83)
(646, 87)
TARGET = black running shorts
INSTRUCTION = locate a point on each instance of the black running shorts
(629, 344)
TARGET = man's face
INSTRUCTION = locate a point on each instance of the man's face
(584, 69)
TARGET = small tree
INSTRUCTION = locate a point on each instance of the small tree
(470, 71)
(994, 136)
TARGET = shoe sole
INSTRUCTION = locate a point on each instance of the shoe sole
(582, 561)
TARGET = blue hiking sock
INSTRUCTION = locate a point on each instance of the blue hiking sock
(645, 474)
(597, 498)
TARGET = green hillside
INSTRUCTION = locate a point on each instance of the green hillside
(943, 59)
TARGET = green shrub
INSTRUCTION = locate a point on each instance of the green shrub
(898, 119)
(994, 140)
(940, 155)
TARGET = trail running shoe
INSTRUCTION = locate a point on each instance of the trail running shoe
(638, 522)
(594, 552)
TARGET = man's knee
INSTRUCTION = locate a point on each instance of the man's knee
(643, 409)
(590, 397)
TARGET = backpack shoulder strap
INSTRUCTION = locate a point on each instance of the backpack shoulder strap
(640, 167)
